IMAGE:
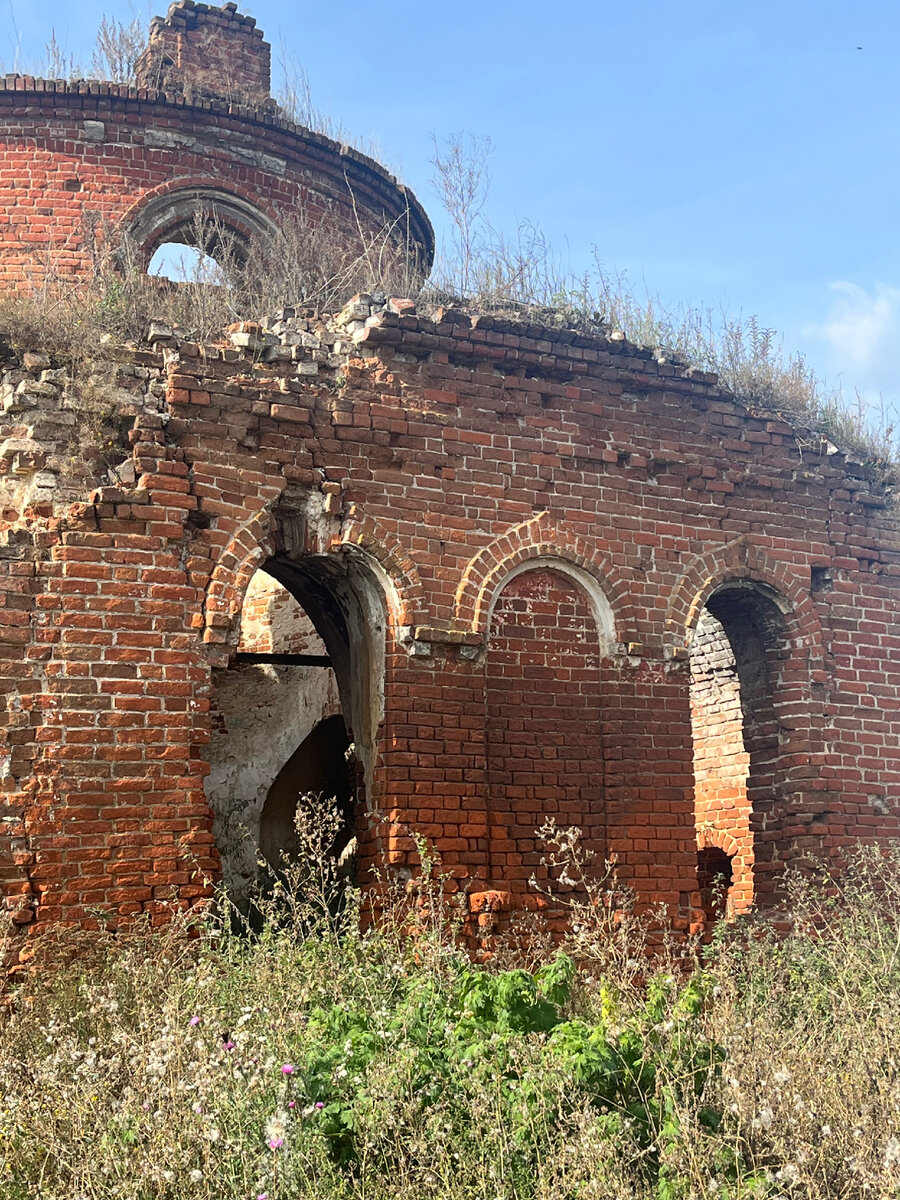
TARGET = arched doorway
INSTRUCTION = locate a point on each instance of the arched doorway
(296, 712)
(736, 660)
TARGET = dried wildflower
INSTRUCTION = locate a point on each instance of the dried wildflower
(276, 1130)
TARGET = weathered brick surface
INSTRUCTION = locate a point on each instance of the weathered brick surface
(721, 761)
(84, 162)
(536, 522)
(542, 682)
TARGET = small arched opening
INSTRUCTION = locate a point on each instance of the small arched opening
(715, 877)
(737, 655)
(191, 227)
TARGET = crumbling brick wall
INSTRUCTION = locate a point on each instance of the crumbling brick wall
(203, 53)
(423, 486)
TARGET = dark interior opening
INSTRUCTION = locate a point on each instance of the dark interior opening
(319, 770)
(714, 878)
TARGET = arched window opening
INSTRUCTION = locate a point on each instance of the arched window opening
(735, 665)
(194, 226)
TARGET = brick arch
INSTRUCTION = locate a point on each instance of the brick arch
(543, 543)
(249, 547)
(721, 839)
(740, 893)
(255, 542)
(163, 213)
(366, 533)
(783, 723)
(737, 561)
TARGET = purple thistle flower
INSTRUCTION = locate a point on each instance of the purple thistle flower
(287, 1069)
(275, 1143)
(319, 1104)
(194, 1021)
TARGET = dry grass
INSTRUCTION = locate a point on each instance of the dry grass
(304, 264)
(519, 275)
(316, 1059)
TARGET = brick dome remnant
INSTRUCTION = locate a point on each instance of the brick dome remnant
(199, 132)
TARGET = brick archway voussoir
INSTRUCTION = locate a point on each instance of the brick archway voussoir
(542, 541)
(741, 560)
(365, 533)
(255, 541)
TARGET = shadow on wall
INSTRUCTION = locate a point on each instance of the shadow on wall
(319, 768)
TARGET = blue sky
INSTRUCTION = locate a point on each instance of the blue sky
(742, 156)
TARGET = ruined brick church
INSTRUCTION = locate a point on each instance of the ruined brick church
(509, 572)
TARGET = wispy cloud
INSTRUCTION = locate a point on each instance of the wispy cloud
(860, 334)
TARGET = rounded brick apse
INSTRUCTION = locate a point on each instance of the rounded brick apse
(85, 163)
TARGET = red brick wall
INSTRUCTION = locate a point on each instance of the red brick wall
(443, 455)
(543, 723)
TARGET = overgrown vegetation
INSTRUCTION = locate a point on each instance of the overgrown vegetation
(315, 1059)
(231, 279)
(519, 274)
